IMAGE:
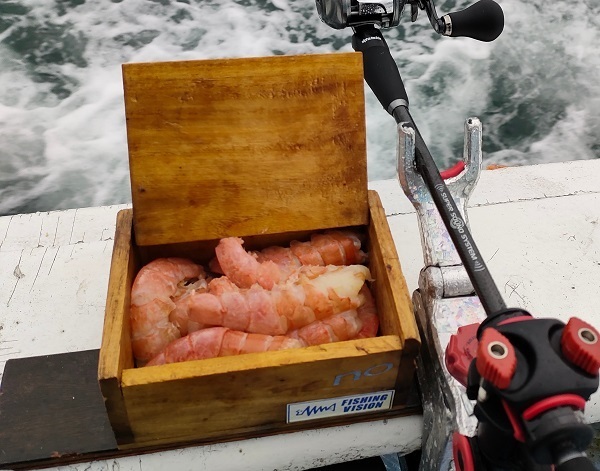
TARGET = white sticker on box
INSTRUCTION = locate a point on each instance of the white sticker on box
(337, 406)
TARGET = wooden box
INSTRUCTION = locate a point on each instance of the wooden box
(271, 150)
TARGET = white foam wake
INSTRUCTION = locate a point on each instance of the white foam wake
(62, 129)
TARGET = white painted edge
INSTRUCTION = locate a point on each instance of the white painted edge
(510, 184)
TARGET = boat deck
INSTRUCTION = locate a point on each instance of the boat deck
(538, 228)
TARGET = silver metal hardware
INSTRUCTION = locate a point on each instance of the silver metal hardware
(447, 25)
(438, 248)
(342, 13)
(587, 336)
(445, 299)
(395, 104)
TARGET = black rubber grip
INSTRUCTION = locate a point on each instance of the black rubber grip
(483, 21)
(380, 69)
(581, 463)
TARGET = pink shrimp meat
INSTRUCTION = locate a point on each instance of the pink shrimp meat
(367, 313)
(215, 342)
(274, 264)
(242, 268)
(152, 301)
(314, 293)
(339, 327)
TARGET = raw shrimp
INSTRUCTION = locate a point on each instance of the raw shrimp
(333, 247)
(354, 324)
(179, 314)
(218, 286)
(367, 313)
(242, 268)
(339, 327)
(152, 302)
(215, 342)
(274, 264)
(313, 293)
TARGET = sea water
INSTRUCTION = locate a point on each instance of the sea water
(62, 129)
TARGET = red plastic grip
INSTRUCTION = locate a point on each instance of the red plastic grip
(580, 344)
(462, 453)
(460, 352)
(496, 358)
(561, 400)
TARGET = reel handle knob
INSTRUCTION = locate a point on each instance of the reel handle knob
(483, 21)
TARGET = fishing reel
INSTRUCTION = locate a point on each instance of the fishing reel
(342, 13)
(483, 20)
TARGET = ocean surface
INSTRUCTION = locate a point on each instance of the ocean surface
(62, 128)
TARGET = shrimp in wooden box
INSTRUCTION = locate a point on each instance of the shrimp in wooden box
(309, 293)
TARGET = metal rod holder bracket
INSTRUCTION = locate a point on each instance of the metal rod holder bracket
(445, 299)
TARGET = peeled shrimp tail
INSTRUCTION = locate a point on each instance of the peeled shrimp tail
(242, 268)
(329, 248)
(317, 293)
(152, 301)
(218, 342)
(337, 328)
(274, 264)
(338, 247)
(282, 256)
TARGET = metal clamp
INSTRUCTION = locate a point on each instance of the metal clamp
(445, 299)
(438, 249)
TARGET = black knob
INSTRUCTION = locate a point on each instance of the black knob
(483, 21)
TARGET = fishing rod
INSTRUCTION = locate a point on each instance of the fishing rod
(531, 377)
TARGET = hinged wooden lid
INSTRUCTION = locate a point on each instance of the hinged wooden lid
(245, 146)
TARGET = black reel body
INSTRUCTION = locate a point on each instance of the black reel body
(340, 14)
(483, 21)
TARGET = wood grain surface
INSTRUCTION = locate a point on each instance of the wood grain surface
(52, 414)
(117, 353)
(392, 296)
(237, 147)
(247, 394)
